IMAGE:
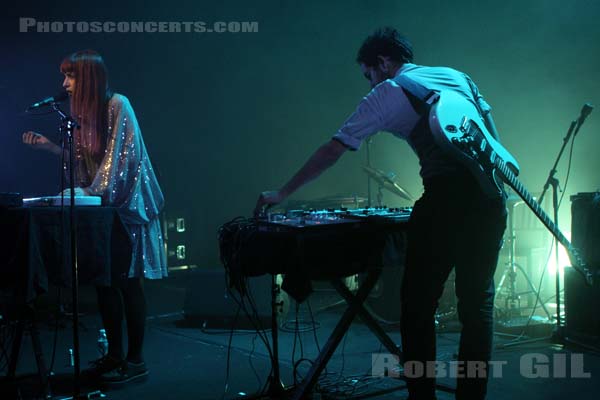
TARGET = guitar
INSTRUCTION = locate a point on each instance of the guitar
(458, 128)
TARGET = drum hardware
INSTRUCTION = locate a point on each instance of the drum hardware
(388, 182)
(511, 314)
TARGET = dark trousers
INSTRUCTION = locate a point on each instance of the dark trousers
(453, 225)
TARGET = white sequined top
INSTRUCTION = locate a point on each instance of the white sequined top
(125, 179)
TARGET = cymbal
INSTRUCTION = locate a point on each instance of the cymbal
(388, 182)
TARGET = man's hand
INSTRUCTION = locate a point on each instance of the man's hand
(322, 159)
(267, 200)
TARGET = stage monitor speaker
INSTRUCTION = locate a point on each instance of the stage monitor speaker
(585, 227)
(209, 304)
(582, 302)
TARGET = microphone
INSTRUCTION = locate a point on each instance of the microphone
(54, 99)
(585, 111)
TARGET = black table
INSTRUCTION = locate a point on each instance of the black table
(34, 251)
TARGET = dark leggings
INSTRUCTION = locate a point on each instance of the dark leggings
(128, 301)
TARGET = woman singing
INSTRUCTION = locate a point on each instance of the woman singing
(112, 162)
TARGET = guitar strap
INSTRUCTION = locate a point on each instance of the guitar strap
(419, 96)
(432, 158)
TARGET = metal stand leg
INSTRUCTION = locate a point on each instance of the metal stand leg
(37, 349)
(276, 389)
(355, 307)
(513, 301)
(354, 304)
(558, 335)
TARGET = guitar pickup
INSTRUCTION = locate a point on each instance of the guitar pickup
(465, 125)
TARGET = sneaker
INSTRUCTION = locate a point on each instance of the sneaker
(128, 372)
(102, 365)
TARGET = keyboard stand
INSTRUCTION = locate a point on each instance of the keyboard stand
(27, 322)
(355, 307)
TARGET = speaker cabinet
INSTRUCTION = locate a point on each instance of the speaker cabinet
(582, 302)
(582, 305)
(585, 227)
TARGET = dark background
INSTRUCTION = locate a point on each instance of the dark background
(225, 116)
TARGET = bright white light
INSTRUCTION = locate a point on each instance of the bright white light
(563, 258)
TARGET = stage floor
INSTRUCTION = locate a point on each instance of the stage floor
(188, 362)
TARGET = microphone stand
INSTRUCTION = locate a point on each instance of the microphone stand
(369, 141)
(558, 335)
(67, 127)
(552, 181)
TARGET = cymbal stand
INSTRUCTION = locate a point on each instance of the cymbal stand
(368, 146)
(379, 195)
(512, 302)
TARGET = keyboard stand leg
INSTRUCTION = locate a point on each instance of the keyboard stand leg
(383, 337)
(354, 306)
(39, 358)
(16, 349)
(27, 322)
(370, 321)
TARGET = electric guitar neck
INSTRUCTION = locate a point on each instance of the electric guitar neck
(457, 127)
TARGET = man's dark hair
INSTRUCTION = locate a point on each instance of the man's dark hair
(385, 42)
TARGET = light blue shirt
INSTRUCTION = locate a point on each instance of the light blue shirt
(387, 108)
